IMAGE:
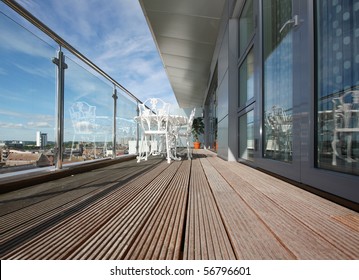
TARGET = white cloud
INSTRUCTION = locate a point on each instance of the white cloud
(11, 125)
(10, 113)
(39, 125)
(14, 39)
(44, 73)
(114, 35)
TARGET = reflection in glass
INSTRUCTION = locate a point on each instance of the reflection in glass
(278, 80)
(126, 126)
(211, 112)
(246, 80)
(28, 104)
(246, 26)
(88, 115)
(337, 45)
(212, 117)
(246, 136)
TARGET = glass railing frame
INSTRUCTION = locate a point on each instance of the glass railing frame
(61, 66)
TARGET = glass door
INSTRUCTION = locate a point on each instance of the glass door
(337, 91)
(279, 25)
(246, 82)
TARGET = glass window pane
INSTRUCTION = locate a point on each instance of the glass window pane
(246, 136)
(246, 26)
(337, 26)
(278, 80)
(246, 80)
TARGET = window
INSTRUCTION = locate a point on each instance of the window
(278, 80)
(246, 26)
(246, 79)
(337, 76)
(246, 82)
(246, 136)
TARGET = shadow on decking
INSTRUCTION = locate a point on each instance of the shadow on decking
(206, 208)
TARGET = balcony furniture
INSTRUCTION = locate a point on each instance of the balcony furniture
(153, 119)
(175, 124)
(183, 129)
(83, 117)
(346, 122)
(279, 131)
(88, 126)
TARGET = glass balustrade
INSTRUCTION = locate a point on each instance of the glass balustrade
(126, 127)
(27, 98)
(28, 103)
(88, 114)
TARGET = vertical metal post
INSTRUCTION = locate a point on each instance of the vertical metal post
(137, 131)
(59, 142)
(115, 97)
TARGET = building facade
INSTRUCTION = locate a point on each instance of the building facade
(288, 83)
(282, 91)
(41, 139)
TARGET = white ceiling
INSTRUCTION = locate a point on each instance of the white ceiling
(185, 32)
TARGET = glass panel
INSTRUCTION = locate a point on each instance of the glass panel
(27, 94)
(246, 26)
(278, 84)
(213, 121)
(246, 136)
(88, 115)
(212, 114)
(126, 131)
(337, 24)
(246, 80)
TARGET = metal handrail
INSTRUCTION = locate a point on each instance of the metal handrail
(39, 24)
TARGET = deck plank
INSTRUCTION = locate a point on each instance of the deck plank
(206, 236)
(206, 208)
(114, 238)
(299, 219)
(161, 236)
(250, 237)
(91, 218)
(24, 210)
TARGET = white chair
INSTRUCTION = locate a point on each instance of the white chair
(346, 122)
(279, 132)
(153, 118)
(186, 132)
(83, 117)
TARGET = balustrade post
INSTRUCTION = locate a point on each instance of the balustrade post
(137, 130)
(115, 97)
(59, 141)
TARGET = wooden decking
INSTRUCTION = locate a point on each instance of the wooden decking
(206, 208)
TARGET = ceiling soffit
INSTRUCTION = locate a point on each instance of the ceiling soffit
(185, 32)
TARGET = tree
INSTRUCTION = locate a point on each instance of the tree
(197, 128)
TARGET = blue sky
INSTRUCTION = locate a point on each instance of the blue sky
(112, 33)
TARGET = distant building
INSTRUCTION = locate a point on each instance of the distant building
(19, 145)
(50, 156)
(36, 159)
(4, 152)
(41, 139)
